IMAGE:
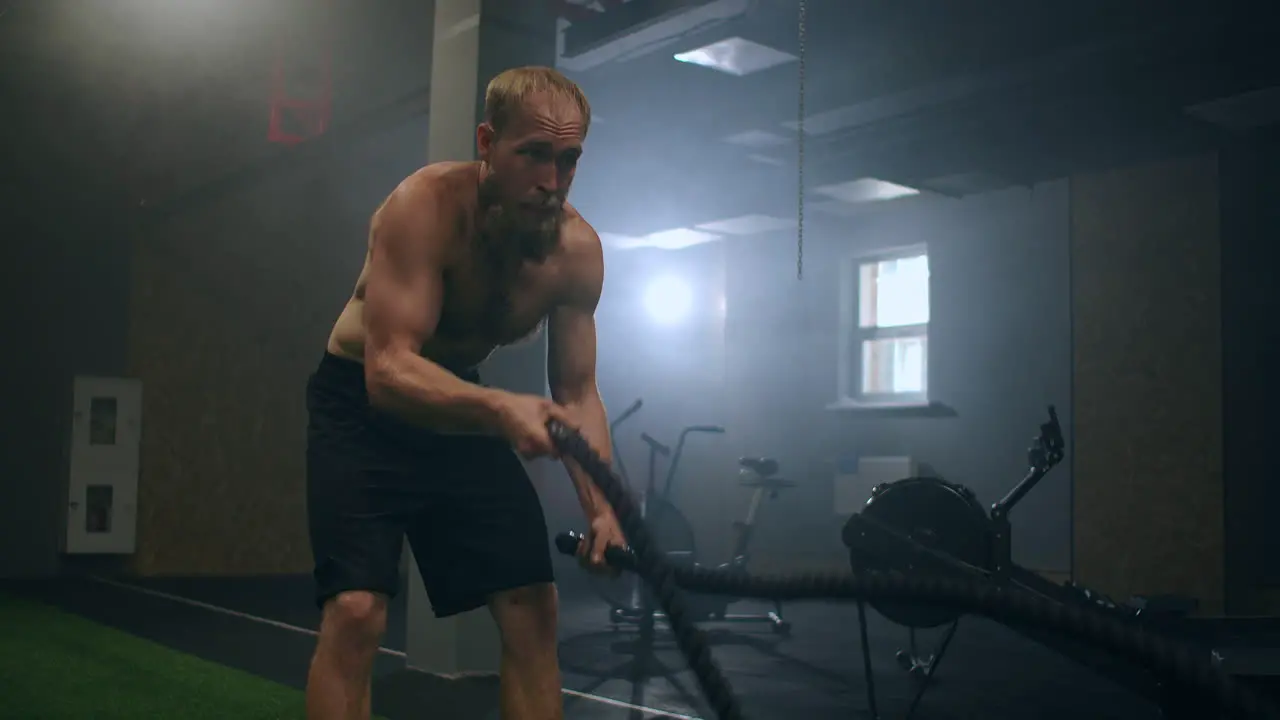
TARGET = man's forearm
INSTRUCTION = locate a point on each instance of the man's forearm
(594, 426)
(423, 393)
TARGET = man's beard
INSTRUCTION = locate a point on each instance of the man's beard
(506, 224)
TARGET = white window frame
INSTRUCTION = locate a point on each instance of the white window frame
(851, 335)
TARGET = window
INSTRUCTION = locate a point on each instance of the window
(884, 356)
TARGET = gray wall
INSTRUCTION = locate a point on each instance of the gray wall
(66, 295)
(1251, 386)
(999, 354)
(89, 267)
(679, 370)
(1101, 294)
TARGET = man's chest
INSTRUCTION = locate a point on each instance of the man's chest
(485, 303)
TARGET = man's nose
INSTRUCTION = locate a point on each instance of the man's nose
(549, 180)
(547, 195)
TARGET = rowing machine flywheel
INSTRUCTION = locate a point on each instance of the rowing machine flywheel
(938, 515)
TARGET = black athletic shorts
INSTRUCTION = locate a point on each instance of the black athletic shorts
(466, 504)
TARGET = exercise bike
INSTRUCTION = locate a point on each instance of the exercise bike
(931, 526)
(613, 437)
(630, 602)
(759, 474)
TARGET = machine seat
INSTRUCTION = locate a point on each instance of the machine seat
(760, 466)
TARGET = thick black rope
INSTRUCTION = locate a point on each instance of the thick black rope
(651, 565)
(1169, 659)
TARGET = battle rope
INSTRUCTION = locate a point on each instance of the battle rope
(1169, 659)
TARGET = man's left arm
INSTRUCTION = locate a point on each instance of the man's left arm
(571, 373)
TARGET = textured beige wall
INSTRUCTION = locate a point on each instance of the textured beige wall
(230, 308)
(1146, 308)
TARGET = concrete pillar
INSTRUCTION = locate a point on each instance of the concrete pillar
(473, 41)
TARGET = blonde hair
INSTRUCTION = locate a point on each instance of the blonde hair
(508, 91)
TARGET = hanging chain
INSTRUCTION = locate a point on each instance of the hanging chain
(800, 150)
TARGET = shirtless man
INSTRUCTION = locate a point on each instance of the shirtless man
(402, 440)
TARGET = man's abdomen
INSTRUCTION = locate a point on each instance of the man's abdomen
(346, 340)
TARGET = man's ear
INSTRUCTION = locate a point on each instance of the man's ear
(485, 136)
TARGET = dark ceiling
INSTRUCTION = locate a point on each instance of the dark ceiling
(943, 96)
(950, 97)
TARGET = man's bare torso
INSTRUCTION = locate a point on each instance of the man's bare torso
(486, 305)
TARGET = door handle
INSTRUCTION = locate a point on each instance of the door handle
(73, 504)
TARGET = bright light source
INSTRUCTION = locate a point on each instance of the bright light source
(766, 160)
(748, 225)
(620, 242)
(668, 300)
(678, 239)
(865, 190)
(736, 56)
(755, 139)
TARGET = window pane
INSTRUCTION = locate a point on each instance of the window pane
(893, 293)
(98, 502)
(895, 365)
(102, 421)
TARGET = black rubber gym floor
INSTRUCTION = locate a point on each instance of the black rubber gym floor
(814, 674)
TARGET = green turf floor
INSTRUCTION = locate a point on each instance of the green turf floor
(57, 665)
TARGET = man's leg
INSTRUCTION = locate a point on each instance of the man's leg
(354, 582)
(483, 541)
(338, 684)
(361, 490)
(530, 686)
(357, 569)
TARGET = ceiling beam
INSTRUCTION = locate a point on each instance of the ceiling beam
(868, 77)
(622, 22)
(1064, 129)
(1111, 94)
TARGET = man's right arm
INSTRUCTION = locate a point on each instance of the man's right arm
(402, 302)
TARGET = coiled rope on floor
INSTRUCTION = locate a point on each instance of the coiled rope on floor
(1169, 659)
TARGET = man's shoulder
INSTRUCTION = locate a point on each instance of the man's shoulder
(584, 257)
(437, 183)
(431, 201)
(579, 237)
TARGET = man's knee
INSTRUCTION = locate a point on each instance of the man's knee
(356, 619)
(526, 617)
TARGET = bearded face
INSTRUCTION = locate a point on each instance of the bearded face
(514, 219)
(528, 168)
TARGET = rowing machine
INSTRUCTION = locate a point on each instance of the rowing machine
(931, 526)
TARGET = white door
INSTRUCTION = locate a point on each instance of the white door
(106, 427)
